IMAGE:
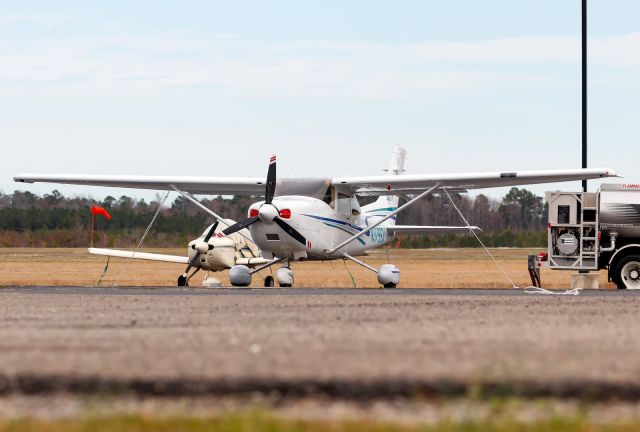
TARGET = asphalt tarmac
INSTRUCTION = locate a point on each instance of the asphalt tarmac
(235, 291)
(350, 343)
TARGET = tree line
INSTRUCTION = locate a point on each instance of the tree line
(53, 220)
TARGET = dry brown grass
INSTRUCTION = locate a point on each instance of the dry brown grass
(437, 268)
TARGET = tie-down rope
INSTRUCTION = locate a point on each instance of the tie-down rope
(150, 224)
(106, 267)
(530, 289)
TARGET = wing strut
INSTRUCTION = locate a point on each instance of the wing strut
(211, 212)
(389, 216)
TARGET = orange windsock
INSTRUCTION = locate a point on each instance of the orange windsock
(100, 211)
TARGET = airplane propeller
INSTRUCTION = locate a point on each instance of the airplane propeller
(268, 213)
(201, 247)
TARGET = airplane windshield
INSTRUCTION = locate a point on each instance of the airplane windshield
(344, 204)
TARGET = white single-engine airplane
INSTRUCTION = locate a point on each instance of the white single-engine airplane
(209, 252)
(320, 219)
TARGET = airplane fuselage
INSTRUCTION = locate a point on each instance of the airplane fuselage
(323, 226)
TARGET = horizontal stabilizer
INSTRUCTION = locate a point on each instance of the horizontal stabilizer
(420, 229)
(139, 255)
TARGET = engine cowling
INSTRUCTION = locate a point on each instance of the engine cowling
(240, 275)
(388, 275)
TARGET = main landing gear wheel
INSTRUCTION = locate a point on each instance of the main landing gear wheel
(182, 280)
(627, 274)
(268, 282)
(388, 275)
(284, 275)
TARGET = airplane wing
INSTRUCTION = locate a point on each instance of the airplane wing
(250, 262)
(253, 186)
(139, 255)
(194, 185)
(420, 182)
(317, 187)
(418, 229)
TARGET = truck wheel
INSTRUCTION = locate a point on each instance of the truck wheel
(627, 275)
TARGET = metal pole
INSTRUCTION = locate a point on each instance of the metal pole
(584, 90)
(92, 222)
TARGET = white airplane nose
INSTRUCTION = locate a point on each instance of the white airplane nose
(267, 213)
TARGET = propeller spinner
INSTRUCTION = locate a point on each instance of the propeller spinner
(268, 213)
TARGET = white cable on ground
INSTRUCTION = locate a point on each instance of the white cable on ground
(530, 289)
(539, 290)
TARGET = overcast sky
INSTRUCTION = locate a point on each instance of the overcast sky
(215, 87)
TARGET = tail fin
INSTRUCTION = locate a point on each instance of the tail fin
(396, 166)
(387, 203)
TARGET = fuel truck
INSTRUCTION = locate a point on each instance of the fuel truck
(591, 231)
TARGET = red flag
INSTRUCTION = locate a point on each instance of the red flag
(100, 211)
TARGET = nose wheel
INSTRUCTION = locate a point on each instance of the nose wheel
(183, 279)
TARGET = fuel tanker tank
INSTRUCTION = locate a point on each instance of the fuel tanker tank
(620, 210)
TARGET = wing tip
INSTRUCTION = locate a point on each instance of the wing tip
(613, 173)
(606, 172)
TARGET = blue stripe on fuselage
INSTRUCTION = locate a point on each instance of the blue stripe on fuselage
(387, 209)
(357, 228)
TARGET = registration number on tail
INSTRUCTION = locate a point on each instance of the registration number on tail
(378, 235)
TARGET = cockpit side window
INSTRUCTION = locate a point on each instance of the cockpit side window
(344, 204)
(355, 207)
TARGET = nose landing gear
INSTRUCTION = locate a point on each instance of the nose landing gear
(183, 279)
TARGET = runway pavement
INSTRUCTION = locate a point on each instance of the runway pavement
(338, 342)
(229, 291)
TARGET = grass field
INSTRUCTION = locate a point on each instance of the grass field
(258, 422)
(438, 268)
